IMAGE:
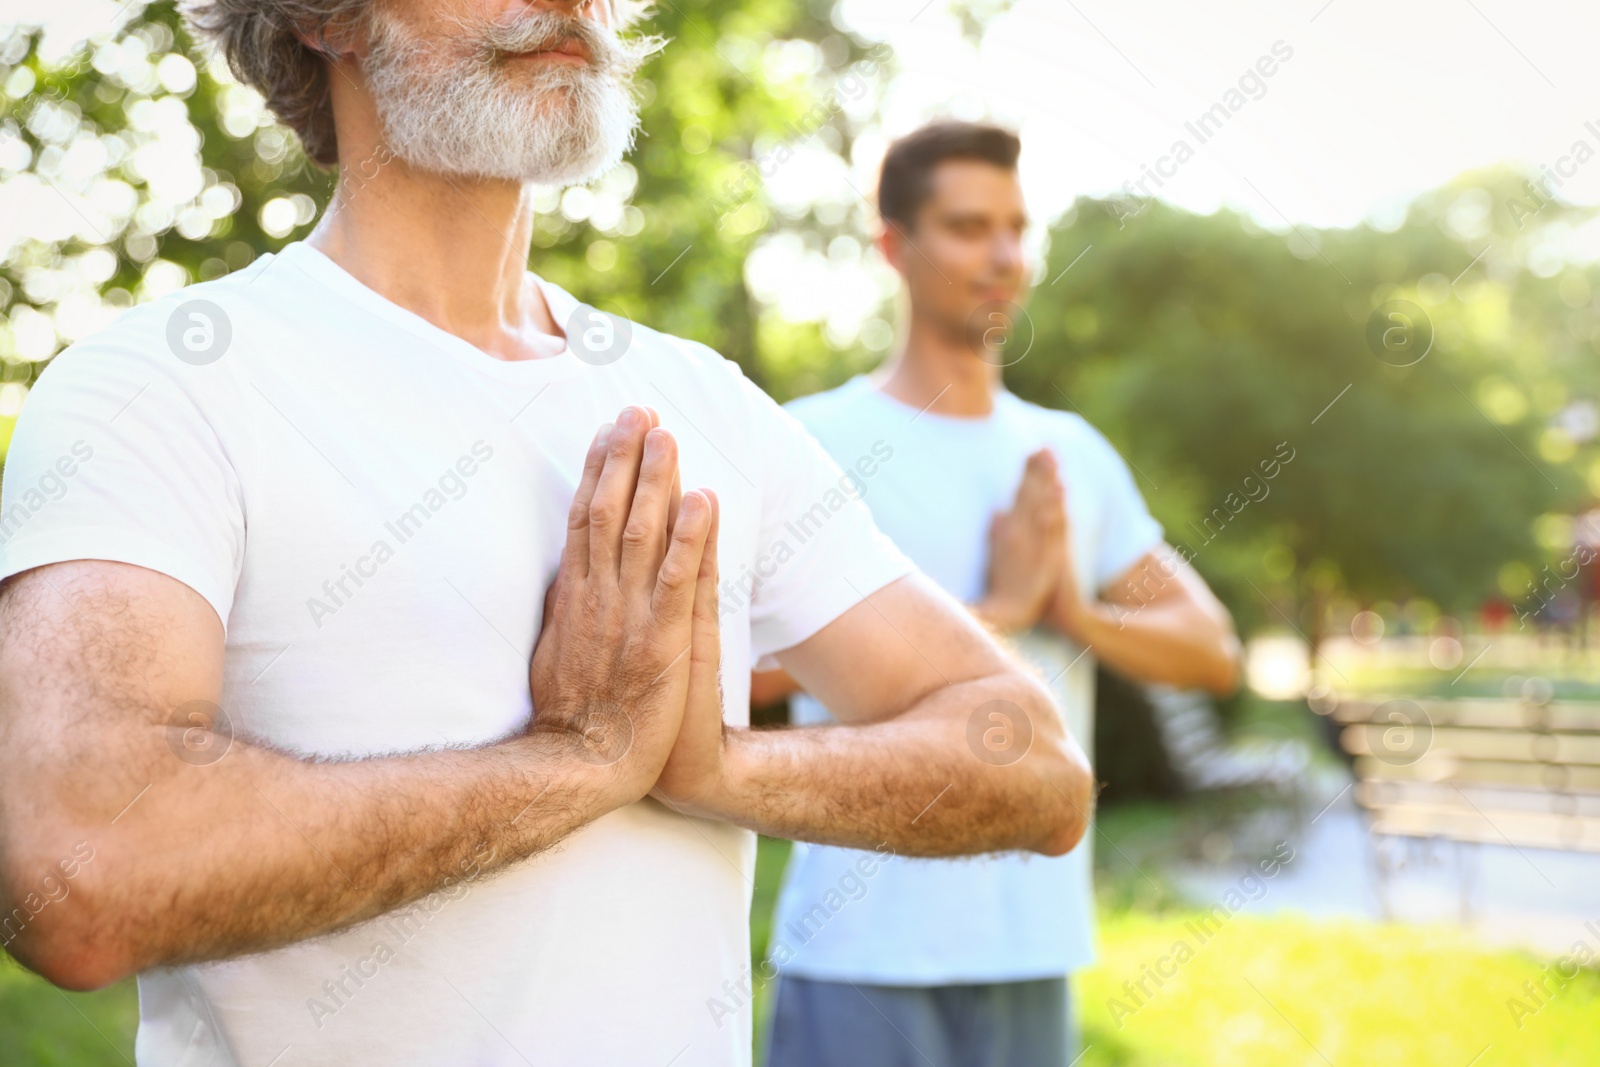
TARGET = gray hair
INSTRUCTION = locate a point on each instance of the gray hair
(259, 42)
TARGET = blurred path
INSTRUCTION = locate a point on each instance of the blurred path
(1536, 899)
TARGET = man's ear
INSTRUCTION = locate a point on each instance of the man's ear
(329, 41)
(891, 242)
(314, 41)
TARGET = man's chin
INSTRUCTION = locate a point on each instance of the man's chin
(554, 130)
(542, 172)
(569, 160)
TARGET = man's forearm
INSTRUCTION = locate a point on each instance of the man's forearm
(260, 849)
(1004, 616)
(966, 770)
(1174, 643)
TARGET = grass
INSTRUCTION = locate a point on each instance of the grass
(1288, 990)
(1579, 680)
(40, 1026)
(771, 855)
(1291, 991)
(1281, 990)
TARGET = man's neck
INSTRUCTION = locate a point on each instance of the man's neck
(936, 372)
(451, 250)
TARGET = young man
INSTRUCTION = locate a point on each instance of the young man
(1031, 517)
(291, 726)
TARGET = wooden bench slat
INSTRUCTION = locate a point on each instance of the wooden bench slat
(1519, 828)
(1498, 745)
(1490, 798)
(1561, 716)
(1434, 768)
(1485, 770)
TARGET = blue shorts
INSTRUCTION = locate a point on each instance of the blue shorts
(844, 1024)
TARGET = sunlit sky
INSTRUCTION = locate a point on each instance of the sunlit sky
(1376, 102)
(1366, 105)
(1379, 101)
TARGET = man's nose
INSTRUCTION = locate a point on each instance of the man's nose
(598, 9)
(1008, 254)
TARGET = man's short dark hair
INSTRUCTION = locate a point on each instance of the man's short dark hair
(907, 176)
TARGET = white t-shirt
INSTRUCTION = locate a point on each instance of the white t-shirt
(375, 508)
(936, 483)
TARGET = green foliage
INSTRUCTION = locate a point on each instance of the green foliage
(663, 238)
(1203, 346)
(44, 1027)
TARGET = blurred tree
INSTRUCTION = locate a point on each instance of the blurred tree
(1216, 354)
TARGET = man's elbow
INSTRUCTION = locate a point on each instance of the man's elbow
(1060, 795)
(69, 961)
(53, 925)
(1226, 666)
(1212, 663)
(1070, 800)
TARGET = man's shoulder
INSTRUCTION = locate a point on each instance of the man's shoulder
(193, 327)
(818, 409)
(176, 345)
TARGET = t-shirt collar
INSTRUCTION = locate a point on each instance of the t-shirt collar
(345, 286)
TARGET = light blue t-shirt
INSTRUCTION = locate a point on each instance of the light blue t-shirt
(933, 483)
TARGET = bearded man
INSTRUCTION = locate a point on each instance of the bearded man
(360, 692)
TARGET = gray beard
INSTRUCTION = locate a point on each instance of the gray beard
(473, 116)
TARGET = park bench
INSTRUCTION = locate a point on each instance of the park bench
(1521, 773)
(1207, 761)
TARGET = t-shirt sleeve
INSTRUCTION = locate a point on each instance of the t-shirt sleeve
(819, 553)
(112, 459)
(1128, 530)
